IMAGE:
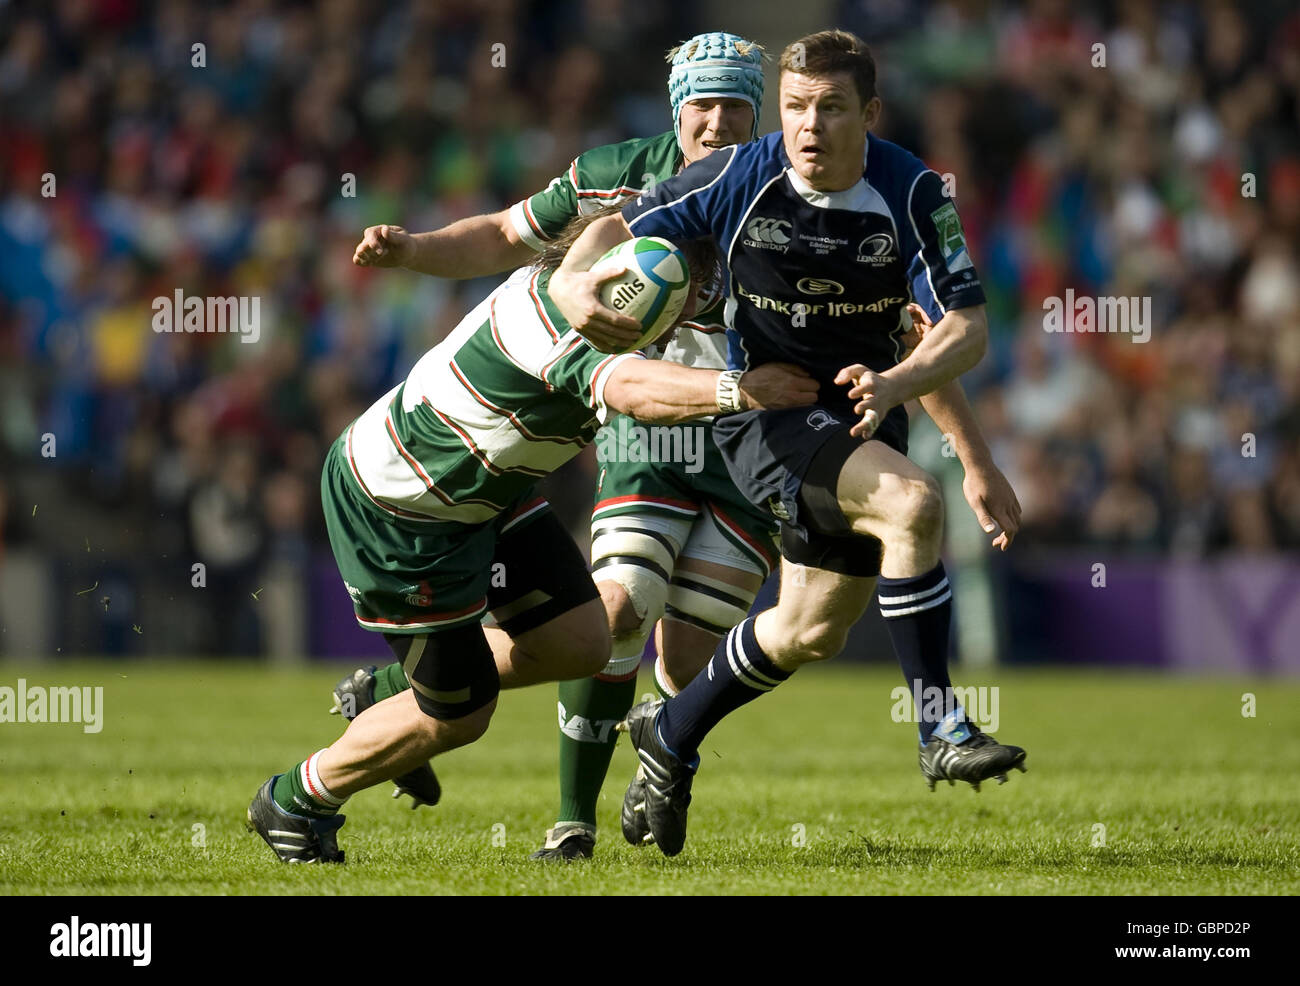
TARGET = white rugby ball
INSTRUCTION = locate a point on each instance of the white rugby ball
(654, 289)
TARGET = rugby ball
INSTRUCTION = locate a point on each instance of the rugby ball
(653, 290)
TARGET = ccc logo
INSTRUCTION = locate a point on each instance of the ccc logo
(769, 230)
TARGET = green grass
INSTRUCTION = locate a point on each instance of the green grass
(1194, 797)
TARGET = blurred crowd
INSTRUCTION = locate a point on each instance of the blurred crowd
(1164, 164)
(1133, 149)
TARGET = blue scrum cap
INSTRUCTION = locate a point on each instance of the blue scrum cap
(716, 66)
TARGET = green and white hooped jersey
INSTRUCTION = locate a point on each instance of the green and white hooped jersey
(604, 176)
(509, 396)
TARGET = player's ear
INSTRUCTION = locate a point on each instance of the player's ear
(871, 112)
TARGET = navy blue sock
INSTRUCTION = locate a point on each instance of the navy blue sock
(918, 612)
(737, 673)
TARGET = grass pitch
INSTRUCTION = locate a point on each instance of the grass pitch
(812, 790)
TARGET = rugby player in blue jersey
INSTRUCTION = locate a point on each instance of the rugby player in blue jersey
(827, 233)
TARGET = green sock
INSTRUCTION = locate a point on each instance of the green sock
(291, 793)
(390, 681)
(590, 708)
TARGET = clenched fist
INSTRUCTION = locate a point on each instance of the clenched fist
(384, 246)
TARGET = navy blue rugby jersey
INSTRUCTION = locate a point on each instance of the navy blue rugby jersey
(851, 259)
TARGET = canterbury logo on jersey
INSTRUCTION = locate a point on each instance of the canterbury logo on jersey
(770, 234)
(876, 250)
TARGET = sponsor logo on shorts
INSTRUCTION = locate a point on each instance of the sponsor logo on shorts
(419, 595)
(353, 591)
(876, 250)
(819, 285)
(819, 419)
(768, 234)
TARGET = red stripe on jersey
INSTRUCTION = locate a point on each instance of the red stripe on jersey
(430, 617)
(654, 500)
(765, 553)
(528, 507)
(411, 460)
(595, 375)
(541, 309)
(509, 415)
(547, 368)
(396, 511)
(532, 221)
(607, 193)
(478, 453)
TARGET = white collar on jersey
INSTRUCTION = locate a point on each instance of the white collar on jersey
(854, 198)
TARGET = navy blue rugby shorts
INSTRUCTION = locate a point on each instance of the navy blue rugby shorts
(788, 461)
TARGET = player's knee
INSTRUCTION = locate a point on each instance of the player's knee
(452, 728)
(472, 727)
(818, 642)
(629, 567)
(919, 509)
(792, 638)
(634, 591)
(619, 610)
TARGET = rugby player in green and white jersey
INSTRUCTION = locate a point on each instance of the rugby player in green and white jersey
(671, 540)
(431, 493)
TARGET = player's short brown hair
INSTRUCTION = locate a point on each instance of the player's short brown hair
(828, 52)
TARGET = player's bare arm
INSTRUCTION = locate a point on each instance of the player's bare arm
(946, 351)
(659, 392)
(473, 247)
(985, 487)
